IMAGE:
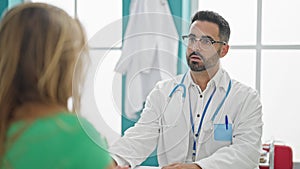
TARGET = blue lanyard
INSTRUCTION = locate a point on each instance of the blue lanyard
(203, 114)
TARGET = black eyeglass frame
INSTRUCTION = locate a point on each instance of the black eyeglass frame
(210, 39)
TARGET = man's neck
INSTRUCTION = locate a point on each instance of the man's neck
(203, 77)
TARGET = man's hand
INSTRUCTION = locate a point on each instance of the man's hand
(122, 167)
(182, 166)
(116, 166)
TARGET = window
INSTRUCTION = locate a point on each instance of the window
(280, 96)
(265, 51)
(101, 100)
(103, 23)
(96, 15)
(242, 19)
(280, 22)
(241, 65)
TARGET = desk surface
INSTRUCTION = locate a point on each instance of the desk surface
(146, 167)
(295, 166)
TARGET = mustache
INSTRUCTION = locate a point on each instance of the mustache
(198, 54)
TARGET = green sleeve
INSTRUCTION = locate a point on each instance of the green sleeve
(93, 146)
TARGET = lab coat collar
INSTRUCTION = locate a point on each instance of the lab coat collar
(221, 79)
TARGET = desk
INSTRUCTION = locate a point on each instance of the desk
(146, 167)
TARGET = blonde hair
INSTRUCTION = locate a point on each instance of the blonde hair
(40, 46)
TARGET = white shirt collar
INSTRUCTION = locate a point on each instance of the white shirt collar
(217, 80)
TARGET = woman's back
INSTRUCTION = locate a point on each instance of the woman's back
(58, 141)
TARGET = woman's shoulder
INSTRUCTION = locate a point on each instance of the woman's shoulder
(59, 122)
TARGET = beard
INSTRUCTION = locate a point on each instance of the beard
(207, 62)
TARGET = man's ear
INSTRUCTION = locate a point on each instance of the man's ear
(224, 50)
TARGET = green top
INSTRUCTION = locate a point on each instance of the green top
(59, 141)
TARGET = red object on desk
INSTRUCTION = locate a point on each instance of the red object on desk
(283, 157)
(263, 167)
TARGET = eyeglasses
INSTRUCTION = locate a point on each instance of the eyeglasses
(206, 42)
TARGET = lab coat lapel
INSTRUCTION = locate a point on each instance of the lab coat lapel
(186, 110)
(182, 128)
(186, 107)
(186, 115)
(174, 130)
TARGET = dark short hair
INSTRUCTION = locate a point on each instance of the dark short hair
(210, 16)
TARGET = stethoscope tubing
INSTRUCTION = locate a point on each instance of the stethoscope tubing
(191, 119)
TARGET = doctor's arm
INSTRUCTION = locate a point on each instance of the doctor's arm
(140, 140)
(244, 151)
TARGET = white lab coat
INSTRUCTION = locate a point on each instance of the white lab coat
(149, 52)
(164, 126)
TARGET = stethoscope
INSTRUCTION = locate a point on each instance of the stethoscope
(209, 125)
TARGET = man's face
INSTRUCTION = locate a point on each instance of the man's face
(199, 56)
